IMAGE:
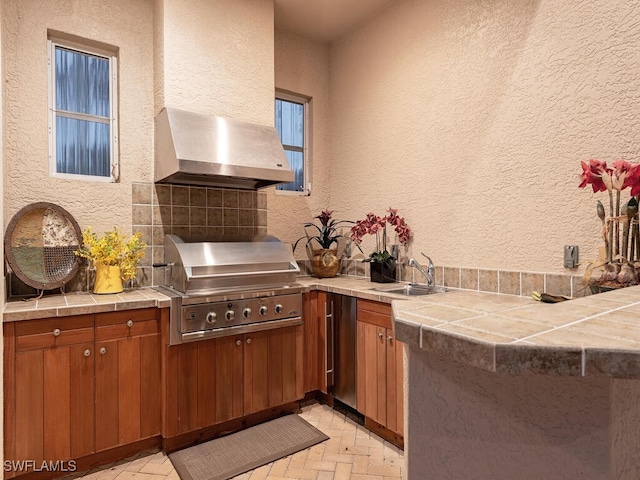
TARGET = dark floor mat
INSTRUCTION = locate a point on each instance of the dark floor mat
(242, 451)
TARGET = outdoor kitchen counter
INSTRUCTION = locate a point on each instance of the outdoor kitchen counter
(82, 303)
(504, 387)
(596, 335)
(592, 335)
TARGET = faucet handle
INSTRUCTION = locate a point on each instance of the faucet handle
(428, 258)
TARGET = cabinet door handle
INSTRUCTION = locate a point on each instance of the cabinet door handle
(379, 335)
(130, 323)
(238, 342)
(389, 338)
(103, 350)
(87, 352)
(248, 340)
(56, 332)
(328, 344)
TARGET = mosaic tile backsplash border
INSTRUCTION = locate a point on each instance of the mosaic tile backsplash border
(483, 280)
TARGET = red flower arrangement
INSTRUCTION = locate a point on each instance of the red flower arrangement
(622, 245)
(375, 225)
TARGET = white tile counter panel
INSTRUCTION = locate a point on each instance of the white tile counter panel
(594, 335)
(504, 387)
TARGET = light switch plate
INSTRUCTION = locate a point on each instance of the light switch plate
(571, 256)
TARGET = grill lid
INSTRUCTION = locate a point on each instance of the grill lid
(199, 266)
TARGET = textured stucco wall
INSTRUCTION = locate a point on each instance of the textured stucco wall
(302, 67)
(472, 117)
(2, 291)
(218, 58)
(470, 423)
(123, 23)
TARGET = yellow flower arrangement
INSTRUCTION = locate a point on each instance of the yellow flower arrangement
(113, 249)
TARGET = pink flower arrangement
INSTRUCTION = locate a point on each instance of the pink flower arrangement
(603, 178)
(620, 230)
(375, 225)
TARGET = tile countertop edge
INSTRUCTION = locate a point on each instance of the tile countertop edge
(82, 304)
(615, 361)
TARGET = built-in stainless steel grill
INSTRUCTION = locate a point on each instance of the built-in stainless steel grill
(227, 286)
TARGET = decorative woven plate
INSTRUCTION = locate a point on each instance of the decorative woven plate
(39, 245)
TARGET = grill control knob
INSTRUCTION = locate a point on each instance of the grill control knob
(278, 308)
(230, 315)
(263, 310)
(212, 317)
(246, 313)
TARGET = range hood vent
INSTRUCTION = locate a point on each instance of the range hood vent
(196, 149)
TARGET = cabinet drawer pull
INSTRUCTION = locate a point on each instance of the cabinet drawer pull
(103, 350)
(56, 332)
(248, 340)
(130, 323)
(87, 352)
(238, 342)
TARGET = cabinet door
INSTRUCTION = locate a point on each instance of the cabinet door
(313, 342)
(203, 384)
(54, 392)
(52, 389)
(372, 366)
(272, 368)
(128, 388)
(395, 384)
(228, 378)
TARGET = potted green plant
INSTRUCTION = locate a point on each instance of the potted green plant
(114, 256)
(383, 263)
(324, 260)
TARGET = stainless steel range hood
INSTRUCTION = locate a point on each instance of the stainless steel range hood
(196, 149)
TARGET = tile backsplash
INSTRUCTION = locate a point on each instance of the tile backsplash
(484, 280)
(159, 209)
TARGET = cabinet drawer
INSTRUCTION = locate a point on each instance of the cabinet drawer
(126, 323)
(375, 313)
(53, 332)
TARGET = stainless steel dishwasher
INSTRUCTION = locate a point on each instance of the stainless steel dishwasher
(340, 354)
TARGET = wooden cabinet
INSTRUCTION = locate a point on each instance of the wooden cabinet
(380, 367)
(81, 384)
(272, 368)
(49, 389)
(128, 392)
(213, 381)
(314, 341)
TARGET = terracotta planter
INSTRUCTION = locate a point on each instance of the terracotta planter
(108, 279)
(325, 262)
(383, 272)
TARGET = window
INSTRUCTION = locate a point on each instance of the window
(292, 126)
(82, 112)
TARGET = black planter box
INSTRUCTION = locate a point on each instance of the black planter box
(383, 272)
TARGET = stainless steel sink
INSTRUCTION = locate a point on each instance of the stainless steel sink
(410, 290)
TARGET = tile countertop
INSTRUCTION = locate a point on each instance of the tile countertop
(596, 335)
(82, 303)
(593, 335)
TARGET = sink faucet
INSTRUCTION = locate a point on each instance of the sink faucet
(428, 273)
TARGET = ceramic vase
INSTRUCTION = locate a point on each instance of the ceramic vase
(325, 262)
(108, 279)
